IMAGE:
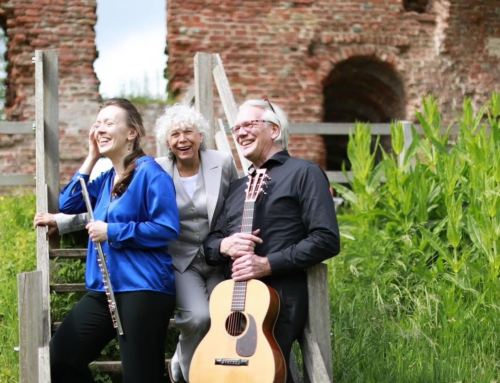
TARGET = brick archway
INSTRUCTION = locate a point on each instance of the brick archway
(360, 88)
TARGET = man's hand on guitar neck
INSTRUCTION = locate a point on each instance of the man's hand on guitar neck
(239, 244)
(246, 264)
(250, 266)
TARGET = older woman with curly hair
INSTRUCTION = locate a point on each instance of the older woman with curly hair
(201, 179)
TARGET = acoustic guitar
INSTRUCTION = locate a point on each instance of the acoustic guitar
(240, 346)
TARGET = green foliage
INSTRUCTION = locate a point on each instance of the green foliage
(17, 255)
(414, 291)
(140, 93)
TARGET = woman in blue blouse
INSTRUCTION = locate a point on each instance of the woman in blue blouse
(135, 217)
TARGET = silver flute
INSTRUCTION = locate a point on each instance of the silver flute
(101, 260)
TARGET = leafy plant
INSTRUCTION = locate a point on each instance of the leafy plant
(414, 291)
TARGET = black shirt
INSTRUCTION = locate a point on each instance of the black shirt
(296, 216)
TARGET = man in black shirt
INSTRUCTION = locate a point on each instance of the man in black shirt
(294, 225)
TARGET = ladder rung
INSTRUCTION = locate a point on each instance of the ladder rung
(108, 366)
(67, 287)
(56, 325)
(68, 253)
(112, 365)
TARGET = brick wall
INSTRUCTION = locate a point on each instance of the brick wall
(469, 51)
(66, 25)
(286, 51)
(289, 51)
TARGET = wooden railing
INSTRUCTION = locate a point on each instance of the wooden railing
(17, 127)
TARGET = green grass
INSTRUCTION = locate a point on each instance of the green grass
(17, 255)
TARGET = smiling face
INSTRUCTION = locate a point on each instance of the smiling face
(112, 134)
(185, 143)
(256, 142)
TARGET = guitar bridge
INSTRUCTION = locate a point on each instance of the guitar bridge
(231, 362)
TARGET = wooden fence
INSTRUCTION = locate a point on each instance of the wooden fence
(320, 128)
(17, 127)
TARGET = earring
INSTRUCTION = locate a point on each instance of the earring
(128, 147)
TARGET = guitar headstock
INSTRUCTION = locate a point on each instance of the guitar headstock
(255, 184)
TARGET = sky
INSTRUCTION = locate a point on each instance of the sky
(131, 40)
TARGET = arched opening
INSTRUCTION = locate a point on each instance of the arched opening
(419, 6)
(361, 88)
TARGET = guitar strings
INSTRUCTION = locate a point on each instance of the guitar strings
(237, 318)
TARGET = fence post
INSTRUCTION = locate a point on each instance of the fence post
(407, 139)
(47, 180)
(30, 313)
(228, 103)
(204, 92)
(316, 341)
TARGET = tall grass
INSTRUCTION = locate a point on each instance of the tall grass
(17, 255)
(415, 292)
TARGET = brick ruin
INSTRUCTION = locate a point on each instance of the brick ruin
(333, 61)
(68, 26)
(342, 60)
(49, 24)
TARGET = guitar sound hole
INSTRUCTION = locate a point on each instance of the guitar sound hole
(236, 323)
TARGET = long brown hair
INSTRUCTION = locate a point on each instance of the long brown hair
(134, 121)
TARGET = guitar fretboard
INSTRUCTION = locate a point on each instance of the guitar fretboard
(239, 294)
(247, 221)
(240, 288)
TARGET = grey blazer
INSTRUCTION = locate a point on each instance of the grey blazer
(218, 172)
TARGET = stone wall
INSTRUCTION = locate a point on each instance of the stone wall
(292, 52)
(321, 60)
(65, 25)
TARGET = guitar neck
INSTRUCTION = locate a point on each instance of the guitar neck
(255, 184)
(240, 288)
(247, 221)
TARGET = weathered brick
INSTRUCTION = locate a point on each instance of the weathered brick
(292, 49)
(287, 51)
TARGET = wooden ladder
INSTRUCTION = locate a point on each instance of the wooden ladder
(34, 288)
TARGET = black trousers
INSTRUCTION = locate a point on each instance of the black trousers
(292, 316)
(87, 329)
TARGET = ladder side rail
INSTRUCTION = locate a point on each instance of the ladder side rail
(228, 103)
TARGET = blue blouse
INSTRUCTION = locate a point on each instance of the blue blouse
(141, 223)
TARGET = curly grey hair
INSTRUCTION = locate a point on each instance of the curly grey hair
(274, 114)
(180, 116)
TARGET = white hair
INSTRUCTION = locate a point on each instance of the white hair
(180, 116)
(275, 115)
